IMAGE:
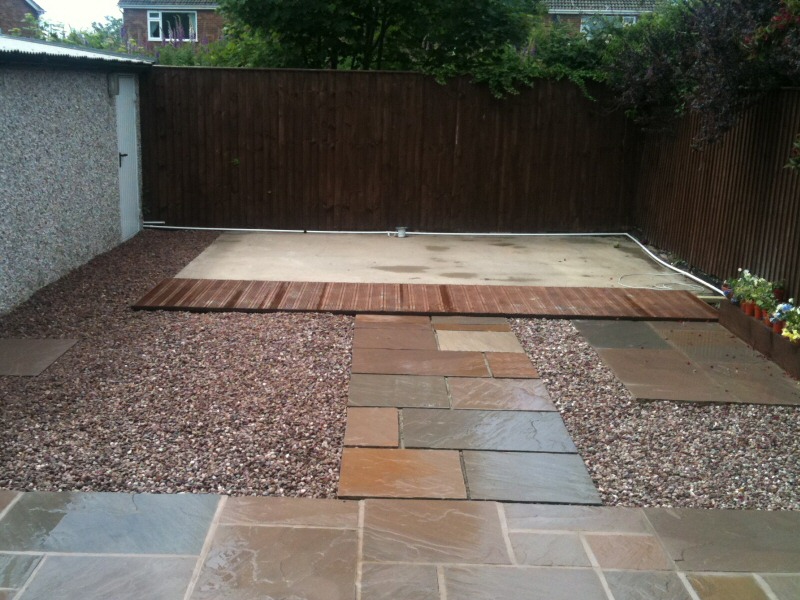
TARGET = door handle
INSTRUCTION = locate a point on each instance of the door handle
(120, 158)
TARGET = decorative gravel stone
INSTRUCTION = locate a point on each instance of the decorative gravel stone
(241, 404)
(664, 453)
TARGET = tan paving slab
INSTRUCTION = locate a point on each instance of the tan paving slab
(393, 473)
(523, 431)
(279, 562)
(662, 375)
(499, 394)
(392, 321)
(471, 327)
(419, 362)
(478, 341)
(384, 581)
(378, 427)
(726, 587)
(511, 365)
(785, 587)
(549, 549)
(6, 498)
(426, 531)
(394, 339)
(629, 552)
(529, 477)
(503, 583)
(295, 512)
(646, 585)
(729, 540)
(398, 390)
(576, 518)
(29, 357)
(105, 577)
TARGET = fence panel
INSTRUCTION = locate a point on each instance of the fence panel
(373, 150)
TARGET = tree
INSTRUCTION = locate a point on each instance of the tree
(694, 55)
(379, 34)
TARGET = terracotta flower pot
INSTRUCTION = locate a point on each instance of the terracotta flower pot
(777, 326)
(757, 312)
(748, 308)
(766, 317)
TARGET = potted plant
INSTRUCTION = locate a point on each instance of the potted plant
(791, 329)
(780, 314)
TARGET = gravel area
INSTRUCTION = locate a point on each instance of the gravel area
(241, 404)
(664, 453)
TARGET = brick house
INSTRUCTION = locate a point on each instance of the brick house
(151, 22)
(12, 13)
(581, 14)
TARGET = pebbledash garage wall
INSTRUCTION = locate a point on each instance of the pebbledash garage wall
(59, 164)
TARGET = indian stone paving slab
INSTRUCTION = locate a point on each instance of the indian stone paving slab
(500, 583)
(279, 562)
(646, 585)
(430, 531)
(729, 540)
(368, 321)
(398, 391)
(108, 522)
(726, 587)
(15, 569)
(398, 581)
(400, 473)
(785, 587)
(368, 426)
(511, 365)
(499, 394)
(754, 383)
(394, 338)
(30, 357)
(105, 577)
(524, 431)
(419, 362)
(478, 341)
(307, 512)
(544, 517)
(549, 549)
(620, 334)
(629, 552)
(529, 477)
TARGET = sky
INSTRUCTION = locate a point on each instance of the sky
(78, 14)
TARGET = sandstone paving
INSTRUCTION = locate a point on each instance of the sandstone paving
(398, 391)
(30, 357)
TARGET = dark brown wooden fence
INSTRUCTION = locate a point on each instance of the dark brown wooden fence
(732, 204)
(321, 150)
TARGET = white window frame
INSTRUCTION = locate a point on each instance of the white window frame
(157, 17)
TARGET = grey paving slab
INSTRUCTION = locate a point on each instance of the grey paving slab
(499, 394)
(503, 583)
(6, 497)
(646, 585)
(529, 477)
(620, 334)
(29, 357)
(279, 562)
(398, 390)
(105, 522)
(16, 568)
(485, 430)
(662, 375)
(729, 540)
(612, 519)
(549, 549)
(754, 383)
(785, 587)
(711, 345)
(106, 577)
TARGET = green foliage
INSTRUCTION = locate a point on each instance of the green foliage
(422, 35)
(100, 36)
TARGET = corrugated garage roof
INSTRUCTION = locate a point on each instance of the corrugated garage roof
(16, 49)
(601, 6)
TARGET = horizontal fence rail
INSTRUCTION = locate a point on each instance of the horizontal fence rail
(333, 150)
(731, 204)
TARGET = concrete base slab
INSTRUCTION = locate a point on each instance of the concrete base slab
(565, 261)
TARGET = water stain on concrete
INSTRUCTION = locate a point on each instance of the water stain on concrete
(437, 248)
(457, 275)
(403, 269)
(504, 244)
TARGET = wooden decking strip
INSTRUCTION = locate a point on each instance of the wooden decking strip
(393, 298)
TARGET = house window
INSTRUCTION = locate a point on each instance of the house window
(172, 25)
(629, 19)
